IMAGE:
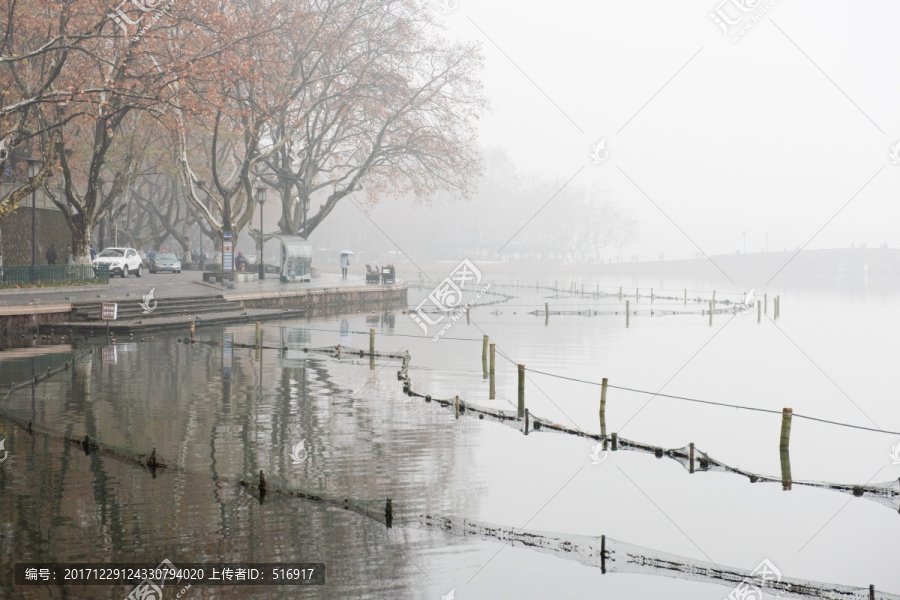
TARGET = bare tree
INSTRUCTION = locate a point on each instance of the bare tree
(380, 102)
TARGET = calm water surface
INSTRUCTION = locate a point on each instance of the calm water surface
(831, 354)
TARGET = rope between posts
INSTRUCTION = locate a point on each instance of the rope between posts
(421, 337)
(38, 377)
(708, 402)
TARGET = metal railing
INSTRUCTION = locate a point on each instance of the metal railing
(53, 275)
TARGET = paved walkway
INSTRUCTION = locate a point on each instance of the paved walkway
(170, 285)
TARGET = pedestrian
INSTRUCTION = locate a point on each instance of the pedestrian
(51, 255)
(345, 262)
(93, 254)
(151, 254)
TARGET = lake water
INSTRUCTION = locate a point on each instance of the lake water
(830, 354)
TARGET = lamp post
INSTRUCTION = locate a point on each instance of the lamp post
(261, 199)
(34, 166)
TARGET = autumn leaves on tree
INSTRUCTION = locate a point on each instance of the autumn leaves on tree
(180, 109)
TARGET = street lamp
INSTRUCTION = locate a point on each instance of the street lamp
(261, 199)
(34, 166)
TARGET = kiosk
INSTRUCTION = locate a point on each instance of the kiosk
(296, 258)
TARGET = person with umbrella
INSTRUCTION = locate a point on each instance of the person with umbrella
(345, 262)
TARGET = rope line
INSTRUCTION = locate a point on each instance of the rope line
(710, 402)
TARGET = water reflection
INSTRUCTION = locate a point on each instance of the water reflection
(366, 442)
(216, 414)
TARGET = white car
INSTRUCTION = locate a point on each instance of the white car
(121, 261)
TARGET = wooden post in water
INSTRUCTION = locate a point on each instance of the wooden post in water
(521, 390)
(766, 303)
(627, 313)
(615, 442)
(691, 453)
(603, 555)
(492, 388)
(371, 348)
(637, 295)
(467, 316)
(714, 297)
(456, 406)
(871, 591)
(546, 313)
(258, 334)
(620, 293)
(484, 347)
(603, 407)
(786, 481)
(493, 353)
(526, 421)
(651, 295)
(192, 330)
(710, 312)
(786, 415)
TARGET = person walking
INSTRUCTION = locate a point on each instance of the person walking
(93, 254)
(51, 255)
(345, 262)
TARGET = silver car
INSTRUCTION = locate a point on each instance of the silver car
(164, 261)
(121, 261)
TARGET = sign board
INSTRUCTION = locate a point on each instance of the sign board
(108, 355)
(227, 252)
(108, 311)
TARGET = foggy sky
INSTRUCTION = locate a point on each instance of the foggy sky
(772, 133)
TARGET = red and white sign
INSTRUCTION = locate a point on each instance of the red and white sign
(108, 311)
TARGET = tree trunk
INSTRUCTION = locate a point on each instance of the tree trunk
(81, 240)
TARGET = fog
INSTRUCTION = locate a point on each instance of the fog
(775, 139)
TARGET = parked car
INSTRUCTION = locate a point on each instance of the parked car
(165, 261)
(121, 261)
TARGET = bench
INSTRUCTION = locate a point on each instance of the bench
(372, 275)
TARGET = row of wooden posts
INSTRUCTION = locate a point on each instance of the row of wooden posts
(488, 361)
(759, 309)
(488, 353)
